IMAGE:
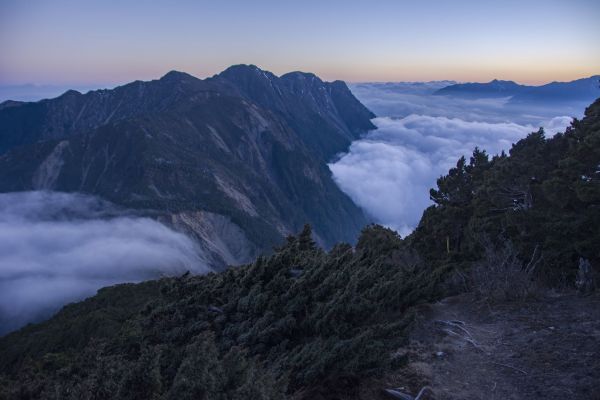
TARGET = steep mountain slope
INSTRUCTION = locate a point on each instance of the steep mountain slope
(308, 104)
(308, 324)
(72, 113)
(237, 160)
(301, 321)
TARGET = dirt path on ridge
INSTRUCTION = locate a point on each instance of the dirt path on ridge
(544, 349)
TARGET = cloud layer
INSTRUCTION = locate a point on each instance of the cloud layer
(56, 248)
(402, 99)
(390, 171)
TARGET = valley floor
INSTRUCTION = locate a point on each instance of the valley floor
(544, 349)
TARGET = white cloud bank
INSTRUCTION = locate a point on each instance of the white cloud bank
(56, 248)
(403, 99)
(420, 136)
(390, 171)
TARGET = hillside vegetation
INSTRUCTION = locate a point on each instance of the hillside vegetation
(305, 323)
(543, 198)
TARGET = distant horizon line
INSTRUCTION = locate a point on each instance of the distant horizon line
(91, 86)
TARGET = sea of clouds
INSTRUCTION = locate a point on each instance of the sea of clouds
(57, 248)
(419, 137)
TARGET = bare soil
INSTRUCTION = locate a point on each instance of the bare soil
(464, 348)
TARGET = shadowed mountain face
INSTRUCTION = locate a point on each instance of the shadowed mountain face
(326, 116)
(237, 160)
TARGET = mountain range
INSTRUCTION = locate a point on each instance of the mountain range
(237, 161)
(504, 246)
(583, 90)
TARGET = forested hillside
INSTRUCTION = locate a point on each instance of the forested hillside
(543, 198)
(305, 323)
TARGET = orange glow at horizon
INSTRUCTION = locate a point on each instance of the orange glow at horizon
(352, 40)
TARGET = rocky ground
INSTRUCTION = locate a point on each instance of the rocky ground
(463, 348)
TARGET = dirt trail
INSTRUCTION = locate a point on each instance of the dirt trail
(544, 349)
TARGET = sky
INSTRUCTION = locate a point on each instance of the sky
(66, 246)
(107, 42)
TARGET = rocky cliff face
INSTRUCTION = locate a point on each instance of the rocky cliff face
(237, 160)
(325, 115)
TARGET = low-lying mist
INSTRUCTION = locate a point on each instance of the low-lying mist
(420, 136)
(57, 248)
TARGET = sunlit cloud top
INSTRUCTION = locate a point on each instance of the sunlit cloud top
(109, 41)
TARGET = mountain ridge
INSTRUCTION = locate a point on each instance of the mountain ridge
(244, 145)
(585, 90)
(370, 321)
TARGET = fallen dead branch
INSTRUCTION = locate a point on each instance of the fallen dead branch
(397, 394)
(510, 366)
(456, 324)
(466, 339)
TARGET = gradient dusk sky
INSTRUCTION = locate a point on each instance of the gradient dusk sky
(115, 41)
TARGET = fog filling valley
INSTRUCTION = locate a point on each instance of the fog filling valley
(420, 136)
(57, 248)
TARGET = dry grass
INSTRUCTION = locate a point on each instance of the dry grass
(502, 276)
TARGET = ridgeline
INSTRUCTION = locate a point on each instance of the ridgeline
(306, 323)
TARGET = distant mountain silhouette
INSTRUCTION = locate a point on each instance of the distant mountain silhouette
(237, 160)
(495, 88)
(32, 92)
(581, 90)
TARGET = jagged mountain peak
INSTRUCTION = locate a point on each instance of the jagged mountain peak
(299, 75)
(70, 93)
(246, 71)
(244, 151)
(177, 76)
(303, 96)
(503, 82)
(297, 95)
